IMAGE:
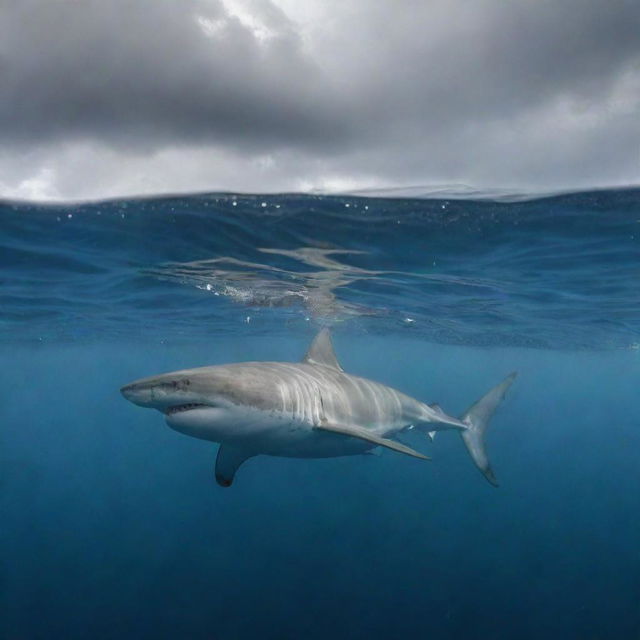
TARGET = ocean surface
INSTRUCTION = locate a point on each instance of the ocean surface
(112, 525)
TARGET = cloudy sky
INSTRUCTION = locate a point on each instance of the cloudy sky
(104, 98)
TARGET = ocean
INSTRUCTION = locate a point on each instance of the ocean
(112, 525)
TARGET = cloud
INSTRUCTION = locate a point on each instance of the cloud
(114, 98)
(154, 73)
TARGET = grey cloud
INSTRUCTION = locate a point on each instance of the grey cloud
(108, 98)
(445, 64)
(149, 73)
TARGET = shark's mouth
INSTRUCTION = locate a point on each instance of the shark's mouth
(179, 408)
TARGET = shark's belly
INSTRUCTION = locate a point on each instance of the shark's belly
(272, 433)
(290, 438)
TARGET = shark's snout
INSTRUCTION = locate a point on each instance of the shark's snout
(128, 391)
(161, 392)
(138, 393)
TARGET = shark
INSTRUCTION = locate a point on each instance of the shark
(307, 409)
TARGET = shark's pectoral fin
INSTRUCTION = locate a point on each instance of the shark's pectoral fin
(228, 461)
(364, 434)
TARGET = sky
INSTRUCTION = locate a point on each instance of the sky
(130, 97)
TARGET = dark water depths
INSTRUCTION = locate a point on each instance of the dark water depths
(112, 525)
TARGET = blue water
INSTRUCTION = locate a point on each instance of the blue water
(111, 524)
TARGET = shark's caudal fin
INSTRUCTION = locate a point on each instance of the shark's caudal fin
(477, 417)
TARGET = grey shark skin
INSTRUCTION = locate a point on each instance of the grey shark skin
(311, 409)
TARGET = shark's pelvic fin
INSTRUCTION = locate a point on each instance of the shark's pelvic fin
(321, 351)
(477, 417)
(227, 463)
(364, 434)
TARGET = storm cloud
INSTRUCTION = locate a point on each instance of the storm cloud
(101, 99)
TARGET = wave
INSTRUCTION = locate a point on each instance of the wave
(556, 272)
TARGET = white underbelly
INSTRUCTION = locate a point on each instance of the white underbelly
(268, 433)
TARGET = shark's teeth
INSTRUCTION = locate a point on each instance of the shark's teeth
(182, 407)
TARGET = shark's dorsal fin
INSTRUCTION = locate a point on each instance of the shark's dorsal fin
(361, 433)
(321, 351)
(227, 463)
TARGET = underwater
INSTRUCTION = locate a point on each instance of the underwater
(112, 523)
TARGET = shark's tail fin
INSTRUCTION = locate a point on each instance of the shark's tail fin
(477, 417)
